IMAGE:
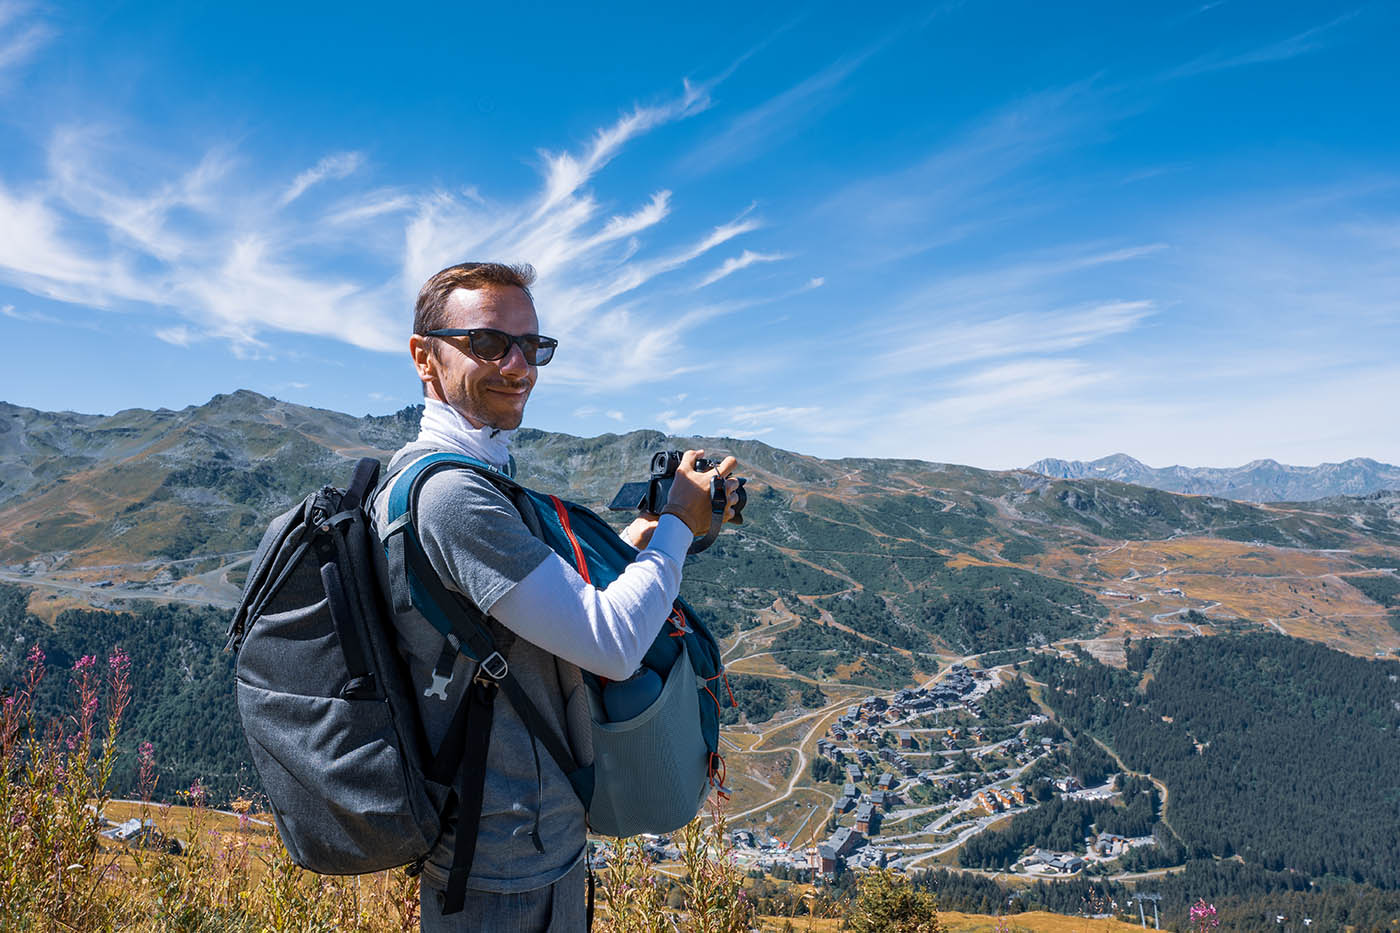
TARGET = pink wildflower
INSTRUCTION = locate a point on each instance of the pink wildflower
(119, 661)
(37, 656)
(1203, 916)
(85, 662)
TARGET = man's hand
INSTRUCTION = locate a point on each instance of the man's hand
(638, 534)
(689, 499)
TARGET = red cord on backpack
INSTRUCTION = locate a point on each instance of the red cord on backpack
(563, 514)
(722, 771)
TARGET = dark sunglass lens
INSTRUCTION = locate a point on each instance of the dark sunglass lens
(490, 344)
(538, 350)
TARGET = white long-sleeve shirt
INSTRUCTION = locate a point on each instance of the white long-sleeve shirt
(605, 631)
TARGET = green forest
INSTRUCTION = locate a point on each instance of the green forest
(983, 608)
(1249, 898)
(1062, 824)
(1279, 751)
(815, 650)
(182, 687)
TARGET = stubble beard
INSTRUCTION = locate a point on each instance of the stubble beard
(494, 410)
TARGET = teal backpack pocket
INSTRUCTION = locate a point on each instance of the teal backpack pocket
(651, 771)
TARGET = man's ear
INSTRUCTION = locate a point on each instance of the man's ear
(424, 362)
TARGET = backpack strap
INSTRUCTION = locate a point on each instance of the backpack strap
(459, 619)
(364, 479)
(472, 727)
(466, 628)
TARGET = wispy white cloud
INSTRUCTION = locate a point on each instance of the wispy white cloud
(234, 257)
(1154, 171)
(333, 167)
(21, 37)
(733, 264)
(1011, 335)
(1309, 40)
(38, 256)
(1008, 388)
(779, 117)
(592, 411)
(32, 317)
(976, 179)
(180, 336)
(566, 173)
(737, 421)
(761, 126)
(367, 207)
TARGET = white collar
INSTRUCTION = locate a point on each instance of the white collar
(443, 426)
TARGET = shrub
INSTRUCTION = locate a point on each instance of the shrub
(887, 903)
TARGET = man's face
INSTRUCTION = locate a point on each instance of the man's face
(487, 393)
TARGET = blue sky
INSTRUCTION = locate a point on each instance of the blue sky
(972, 232)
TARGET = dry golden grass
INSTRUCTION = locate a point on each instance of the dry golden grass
(960, 560)
(745, 740)
(787, 815)
(793, 733)
(46, 603)
(754, 777)
(1301, 591)
(956, 922)
(1036, 921)
(764, 664)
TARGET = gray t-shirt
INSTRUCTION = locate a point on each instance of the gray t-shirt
(475, 540)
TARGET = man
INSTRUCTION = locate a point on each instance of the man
(477, 350)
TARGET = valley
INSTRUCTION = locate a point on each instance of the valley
(852, 583)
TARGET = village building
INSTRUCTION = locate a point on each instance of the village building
(1055, 862)
(867, 820)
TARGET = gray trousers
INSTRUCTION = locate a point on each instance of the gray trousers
(556, 908)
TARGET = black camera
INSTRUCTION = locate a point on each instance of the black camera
(651, 495)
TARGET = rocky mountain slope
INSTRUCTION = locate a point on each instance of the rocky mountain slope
(873, 565)
(1256, 481)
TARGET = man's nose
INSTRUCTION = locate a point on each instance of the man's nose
(514, 364)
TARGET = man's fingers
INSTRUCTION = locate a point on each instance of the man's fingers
(726, 466)
(689, 457)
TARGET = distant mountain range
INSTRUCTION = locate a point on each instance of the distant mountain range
(1256, 481)
(904, 557)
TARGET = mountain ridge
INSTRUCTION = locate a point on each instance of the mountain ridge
(1261, 480)
(902, 558)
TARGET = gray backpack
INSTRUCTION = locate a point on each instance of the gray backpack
(331, 720)
(333, 724)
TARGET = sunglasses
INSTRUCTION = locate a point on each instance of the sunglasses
(489, 344)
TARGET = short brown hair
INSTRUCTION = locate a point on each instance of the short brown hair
(430, 312)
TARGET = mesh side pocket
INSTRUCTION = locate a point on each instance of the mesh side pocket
(652, 770)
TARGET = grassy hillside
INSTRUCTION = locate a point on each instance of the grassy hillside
(915, 557)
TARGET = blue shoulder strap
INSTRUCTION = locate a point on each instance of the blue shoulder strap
(459, 620)
(425, 589)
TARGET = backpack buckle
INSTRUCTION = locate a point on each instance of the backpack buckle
(493, 666)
